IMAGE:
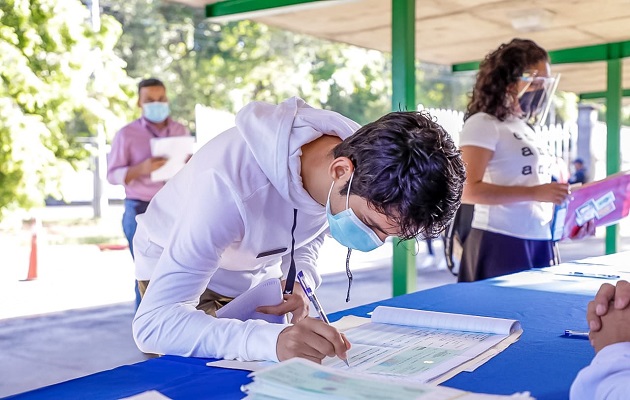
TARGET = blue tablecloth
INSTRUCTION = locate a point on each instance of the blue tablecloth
(542, 361)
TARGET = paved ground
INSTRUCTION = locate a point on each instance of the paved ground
(74, 319)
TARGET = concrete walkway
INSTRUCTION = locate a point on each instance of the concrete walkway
(75, 318)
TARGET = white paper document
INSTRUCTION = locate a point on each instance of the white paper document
(243, 307)
(148, 395)
(422, 346)
(302, 379)
(176, 149)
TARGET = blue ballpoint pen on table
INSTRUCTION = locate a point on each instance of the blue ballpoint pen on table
(591, 275)
(311, 296)
(575, 334)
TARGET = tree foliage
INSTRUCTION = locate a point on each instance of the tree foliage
(225, 66)
(58, 81)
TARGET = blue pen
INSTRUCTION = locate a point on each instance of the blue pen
(575, 334)
(311, 296)
(590, 275)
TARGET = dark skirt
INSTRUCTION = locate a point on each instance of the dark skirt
(488, 254)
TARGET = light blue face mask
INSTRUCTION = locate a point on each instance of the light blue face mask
(348, 229)
(156, 112)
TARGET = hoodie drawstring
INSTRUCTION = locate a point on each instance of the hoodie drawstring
(288, 287)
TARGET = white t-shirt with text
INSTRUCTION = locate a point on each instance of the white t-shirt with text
(521, 158)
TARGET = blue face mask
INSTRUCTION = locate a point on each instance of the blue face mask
(348, 229)
(156, 112)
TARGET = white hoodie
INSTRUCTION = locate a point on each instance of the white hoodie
(211, 225)
(608, 376)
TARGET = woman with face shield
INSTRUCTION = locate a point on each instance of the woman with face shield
(508, 165)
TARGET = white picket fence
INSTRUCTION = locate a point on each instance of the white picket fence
(558, 137)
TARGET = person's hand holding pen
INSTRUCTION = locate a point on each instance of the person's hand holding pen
(311, 338)
(310, 293)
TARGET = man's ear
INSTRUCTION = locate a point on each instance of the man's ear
(340, 167)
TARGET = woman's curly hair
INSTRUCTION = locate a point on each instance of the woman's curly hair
(500, 69)
(408, 168)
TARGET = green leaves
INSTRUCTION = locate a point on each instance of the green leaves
(58, 82)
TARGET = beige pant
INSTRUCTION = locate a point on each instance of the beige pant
(209, 301)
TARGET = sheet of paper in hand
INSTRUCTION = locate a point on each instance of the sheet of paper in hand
(176, 150)
(243, 307)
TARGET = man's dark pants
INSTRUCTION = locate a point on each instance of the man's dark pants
(132, 209)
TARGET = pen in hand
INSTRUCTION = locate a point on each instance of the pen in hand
(315, 301)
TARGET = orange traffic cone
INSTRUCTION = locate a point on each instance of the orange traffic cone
(32, 264)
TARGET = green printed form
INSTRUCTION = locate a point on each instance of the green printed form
(420, 345)
(413, 360)
(301, 379)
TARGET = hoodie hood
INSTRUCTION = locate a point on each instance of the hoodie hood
(275, 135)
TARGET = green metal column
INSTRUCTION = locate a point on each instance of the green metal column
(613, 126)
(403, 98)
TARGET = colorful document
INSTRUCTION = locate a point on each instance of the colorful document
(606, 202)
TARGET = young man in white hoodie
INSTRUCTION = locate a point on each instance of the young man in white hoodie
(608, 375)
(255, 203)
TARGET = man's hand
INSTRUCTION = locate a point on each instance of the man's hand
(297, 304)
(615, 328)
(144, 168)
(151, 164)
(617, 297)
(553, 192)
(312, 339)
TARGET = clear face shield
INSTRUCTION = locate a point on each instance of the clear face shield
(535, 97)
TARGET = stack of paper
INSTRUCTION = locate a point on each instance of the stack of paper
(302, 379)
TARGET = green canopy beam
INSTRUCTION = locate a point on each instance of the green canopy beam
(601, 95)
(403, 98)
(598, 52)
(613, 128)
(239, 9)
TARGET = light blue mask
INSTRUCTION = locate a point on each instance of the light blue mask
(156, 112)
(348, 229)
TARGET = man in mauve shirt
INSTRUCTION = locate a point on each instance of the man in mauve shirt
(130, 162)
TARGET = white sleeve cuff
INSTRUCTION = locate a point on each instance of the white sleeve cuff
(612, 352)
(263, 340)
(117, 176)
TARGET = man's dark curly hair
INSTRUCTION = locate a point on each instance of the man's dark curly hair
(497, 72)
(408, 168)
